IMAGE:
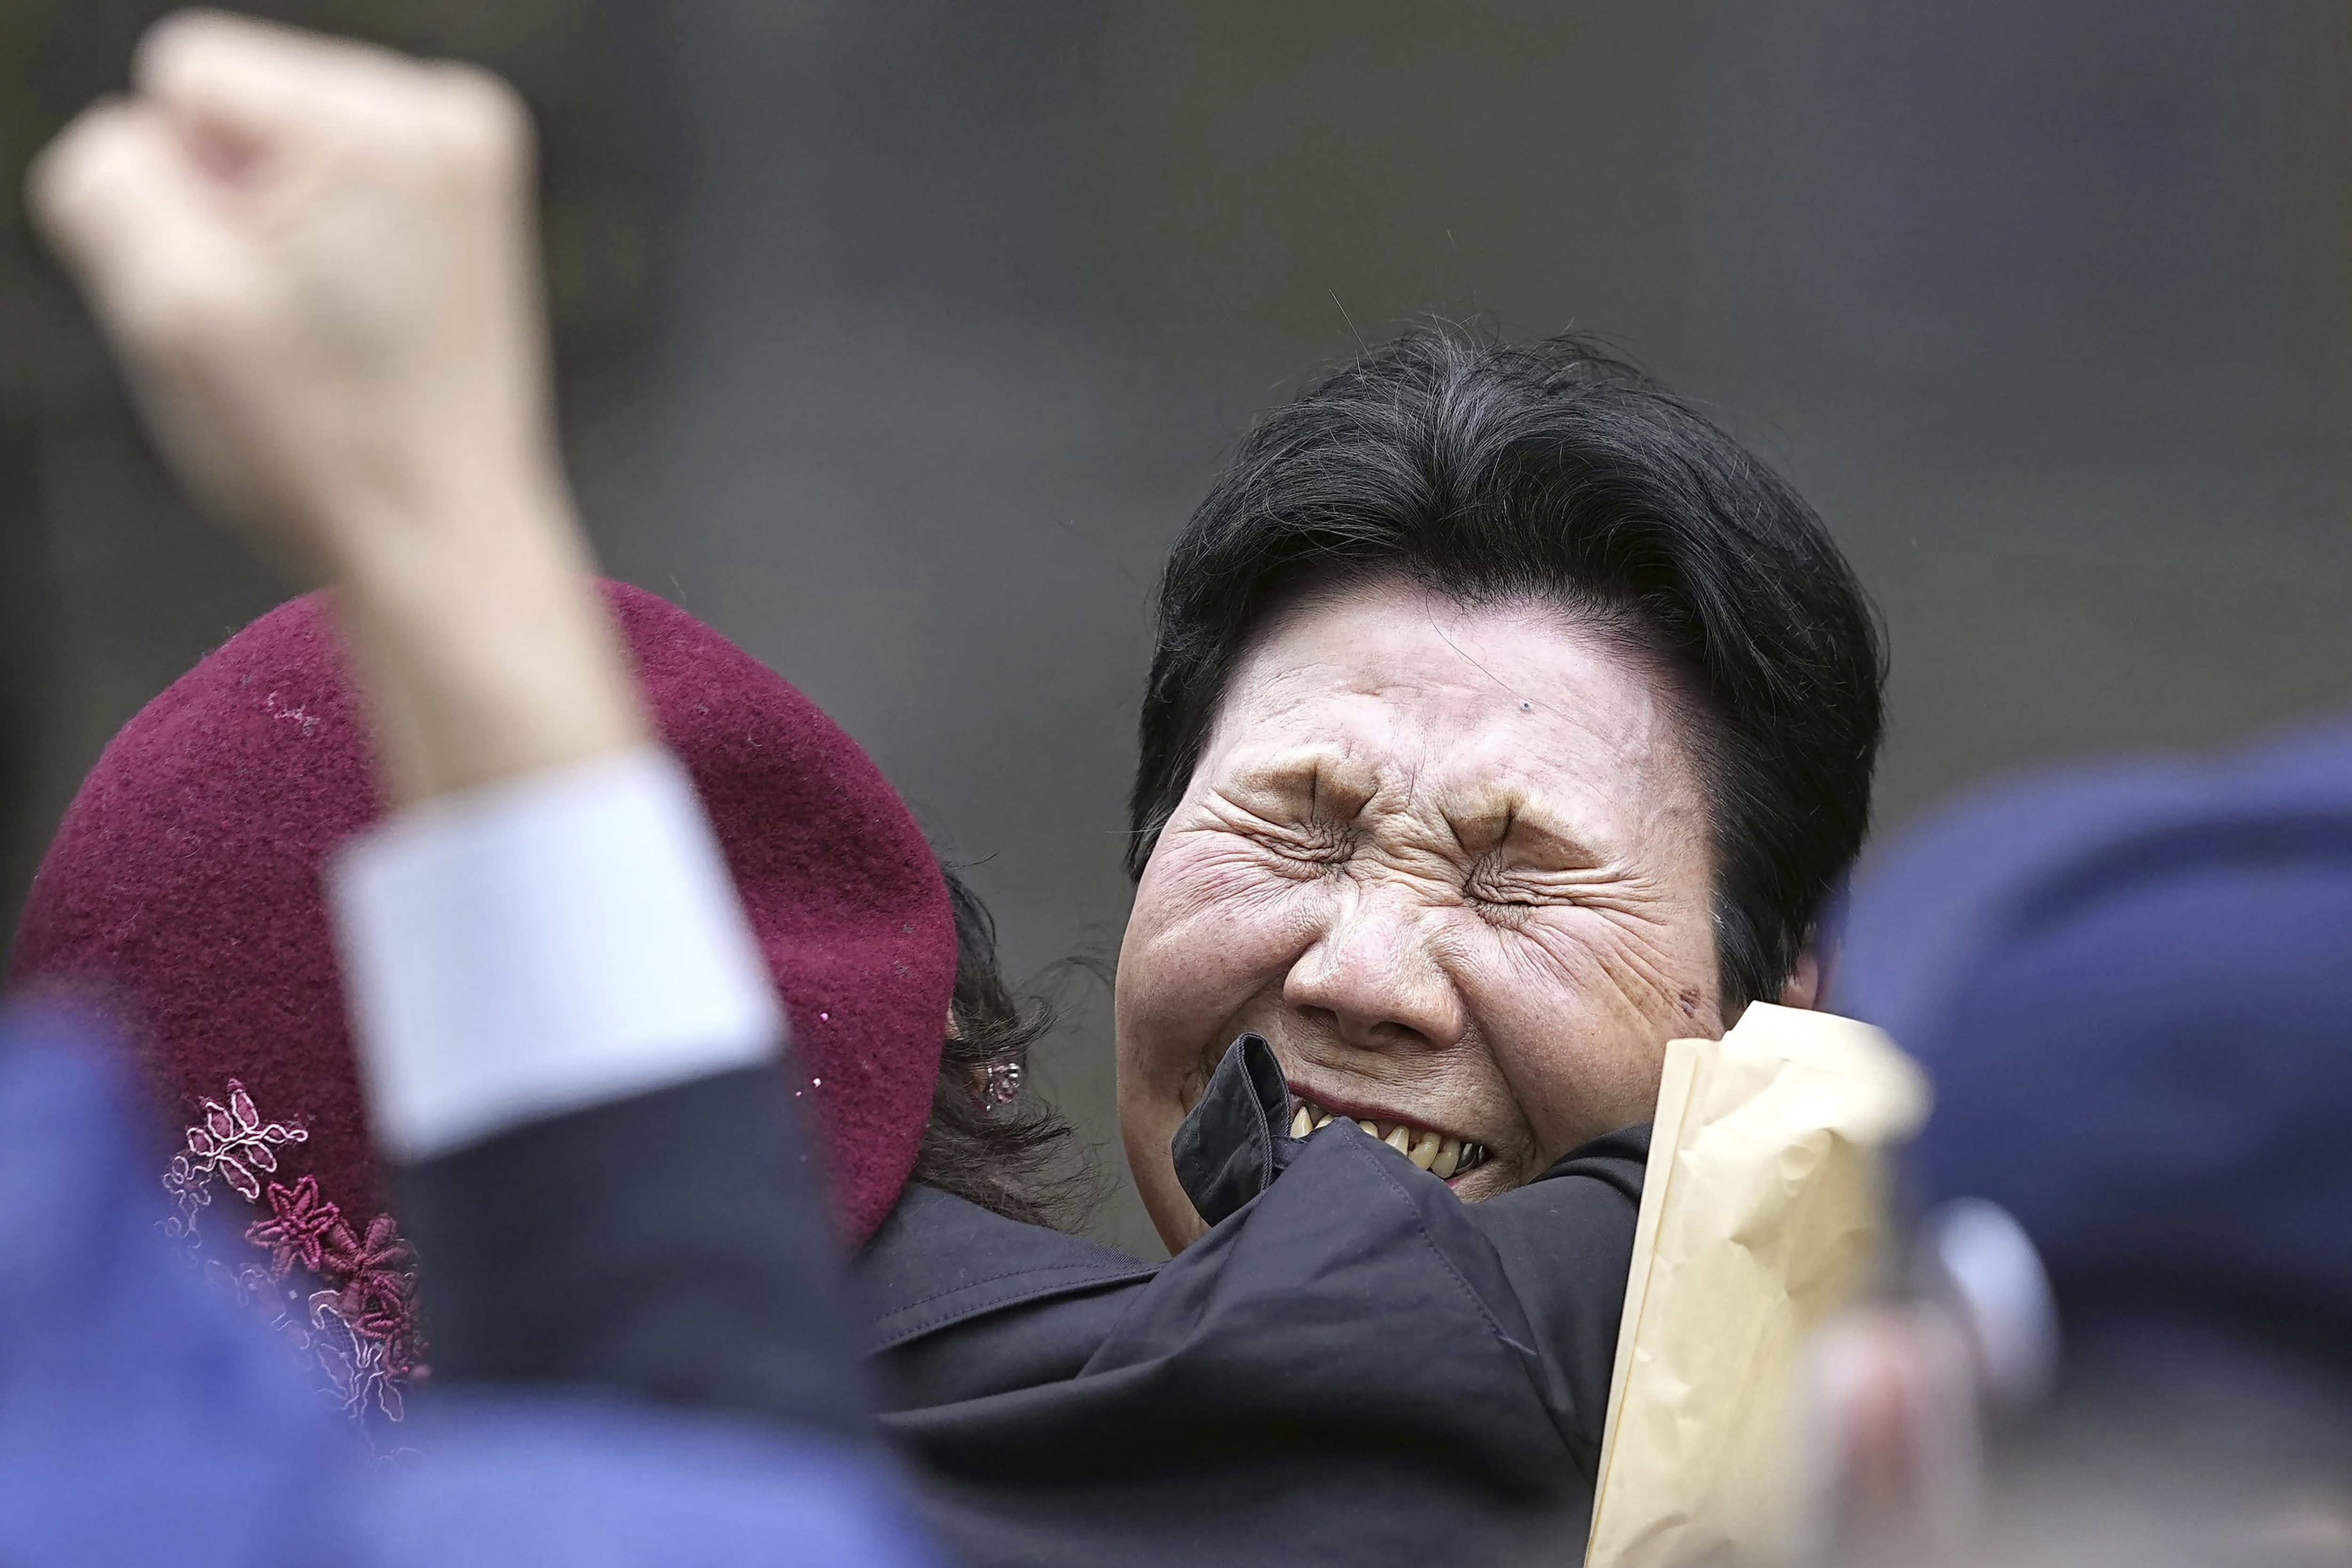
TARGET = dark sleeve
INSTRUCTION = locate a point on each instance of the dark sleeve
(1352, 1366)
(1550, 1258)
(674, 1245)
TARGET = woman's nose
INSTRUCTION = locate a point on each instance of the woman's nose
(1375, 972)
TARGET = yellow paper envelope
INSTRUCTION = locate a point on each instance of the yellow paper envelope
(1763, 1211)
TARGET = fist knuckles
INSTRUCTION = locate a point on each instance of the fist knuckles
(316, 259)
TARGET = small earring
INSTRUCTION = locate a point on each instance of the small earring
(999, 1085)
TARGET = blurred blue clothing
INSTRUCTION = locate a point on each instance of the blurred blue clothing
(2132, 987)
(145, 1419)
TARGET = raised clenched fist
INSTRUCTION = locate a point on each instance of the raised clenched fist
(316, 262)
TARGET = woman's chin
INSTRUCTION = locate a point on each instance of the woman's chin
(1487, 1181)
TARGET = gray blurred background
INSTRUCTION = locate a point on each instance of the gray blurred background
(898, 337)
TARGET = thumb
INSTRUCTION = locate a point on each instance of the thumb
(125, 203)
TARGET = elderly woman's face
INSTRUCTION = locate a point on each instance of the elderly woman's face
(1454, 863)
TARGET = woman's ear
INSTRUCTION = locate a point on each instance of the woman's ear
(1803, 986)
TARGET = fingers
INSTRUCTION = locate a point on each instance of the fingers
(256, 85)
(120, 197)
(314, 259)
(254, 82)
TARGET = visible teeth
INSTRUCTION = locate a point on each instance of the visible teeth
(1433, 1151)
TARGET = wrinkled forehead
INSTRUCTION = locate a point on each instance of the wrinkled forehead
(1391, 687)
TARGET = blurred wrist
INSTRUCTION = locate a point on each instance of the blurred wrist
(485, 648)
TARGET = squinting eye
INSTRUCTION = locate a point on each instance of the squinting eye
(1308, 847)
(1485, 886)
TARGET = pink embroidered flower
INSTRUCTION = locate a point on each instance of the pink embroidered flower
(375, 1305)
(377, 1274)
(299, 1221)
(360, 1333)
(384, 1250)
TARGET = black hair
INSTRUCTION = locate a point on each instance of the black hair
(993, 1139)
(1489, 471)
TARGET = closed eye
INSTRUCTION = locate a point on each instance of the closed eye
(1307, 846)
(1500, 888)
(1313, 845)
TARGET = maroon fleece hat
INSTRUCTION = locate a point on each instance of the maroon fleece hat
(185, 881)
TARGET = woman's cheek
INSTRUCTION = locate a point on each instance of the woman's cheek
(1578, 1022)
(1212, 925)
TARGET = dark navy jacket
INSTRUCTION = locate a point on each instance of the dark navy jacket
(1352, 1366)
